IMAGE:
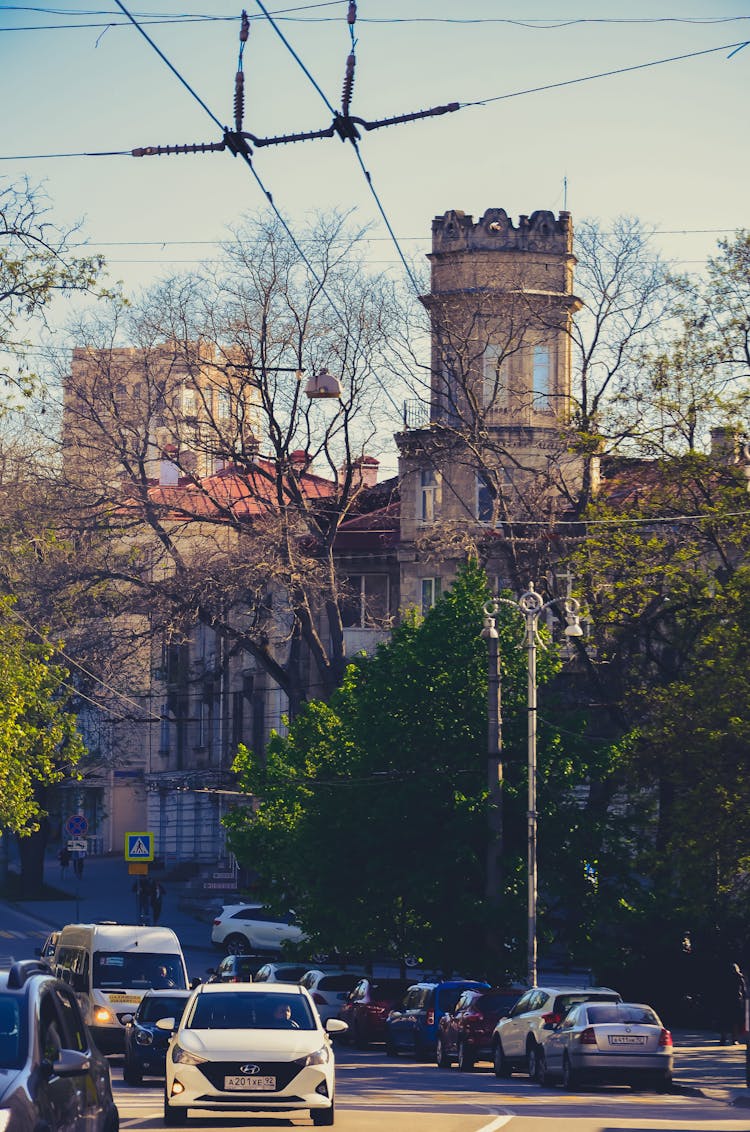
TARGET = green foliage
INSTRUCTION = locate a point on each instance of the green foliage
(372, 811)
(38, 739)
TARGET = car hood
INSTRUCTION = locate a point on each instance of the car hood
(238, 1045)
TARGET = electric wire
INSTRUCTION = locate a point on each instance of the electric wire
(242, 151)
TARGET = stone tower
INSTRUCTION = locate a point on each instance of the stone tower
(493, 447)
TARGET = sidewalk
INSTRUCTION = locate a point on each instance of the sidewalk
(105, 892)
(701, 1065)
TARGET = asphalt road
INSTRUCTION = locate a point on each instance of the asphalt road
(377, 1093)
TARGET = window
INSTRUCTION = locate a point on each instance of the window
(223, 404)
(428, 496)
(366, 602)
(430, 593)
(484, 501)
(494, 378)
(541, 399)
(188, 402)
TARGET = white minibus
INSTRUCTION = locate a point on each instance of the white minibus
(111, 966)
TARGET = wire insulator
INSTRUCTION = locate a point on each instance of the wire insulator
(346, 93)
(244, 27)
(239, 100)
(351, 15)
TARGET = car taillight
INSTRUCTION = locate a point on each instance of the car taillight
(318, 999)
(216, 923)
(665, 1038)
(430, 1019)
(551, 1019)
(588, 1037)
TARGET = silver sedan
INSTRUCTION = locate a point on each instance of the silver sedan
(613, 1042)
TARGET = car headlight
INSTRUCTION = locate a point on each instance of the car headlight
(182, 1056)
(4, 1118)
(144, 1037)
(320, 1057)
(102, 1015)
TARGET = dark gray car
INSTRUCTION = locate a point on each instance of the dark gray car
(52, 1076)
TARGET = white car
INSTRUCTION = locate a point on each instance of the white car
(281, 972)
(330, 989)
(240, 928)
(249, 1049)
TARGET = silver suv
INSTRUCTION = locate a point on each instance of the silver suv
(517, 1038)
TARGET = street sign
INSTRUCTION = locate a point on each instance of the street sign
(139, 846)
(77, 845)
(138, 868)
(76, 826)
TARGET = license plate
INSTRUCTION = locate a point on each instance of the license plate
(627, 1040)
(250, 1084)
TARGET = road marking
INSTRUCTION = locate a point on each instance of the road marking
(498, 1122)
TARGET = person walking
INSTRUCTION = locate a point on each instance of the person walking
(156, 895)
(78, 865)
(64, 858)
(732, 991)
(142, 890)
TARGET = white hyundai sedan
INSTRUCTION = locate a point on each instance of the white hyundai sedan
(247, 1049)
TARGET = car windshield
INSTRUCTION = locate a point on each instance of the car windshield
(12, 1033)
(236, 1010)
(496, 1000)
(389, 988)
(121, 970)
(621, 1012)
(161, 1006)
(338, 982)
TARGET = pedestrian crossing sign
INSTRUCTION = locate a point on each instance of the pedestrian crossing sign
(139, 846)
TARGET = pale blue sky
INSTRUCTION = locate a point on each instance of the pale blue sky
(667, 143)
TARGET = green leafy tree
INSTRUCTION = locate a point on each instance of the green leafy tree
(39, 743)
(371, 814)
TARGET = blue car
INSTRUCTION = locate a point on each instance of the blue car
(145, 1046)
(413, 1026)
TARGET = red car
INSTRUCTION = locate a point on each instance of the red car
(367, 1007)
(465, 1034)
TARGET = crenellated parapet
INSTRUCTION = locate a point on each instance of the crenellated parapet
(455, 231)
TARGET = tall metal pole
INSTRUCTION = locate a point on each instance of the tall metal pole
(494, 766)
(532, 814)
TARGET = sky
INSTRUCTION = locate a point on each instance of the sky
(666, 142)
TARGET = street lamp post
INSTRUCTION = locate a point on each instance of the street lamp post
(531, 605)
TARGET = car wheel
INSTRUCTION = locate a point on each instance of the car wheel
(662, 1082)
(569, 1078)
(174, 1117)
(542, 1076)
(236, 944)
(112, 1121)
(323, 1116)
(390, 1048)
(441, 1058)
(532, 1061)
(500, 1062)
(465, 1058)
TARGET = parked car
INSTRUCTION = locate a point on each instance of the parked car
(412, 1026)
(281, 972)
(367, 1007)
(608, 1042)
(259, 1047)
(465, 1033)
(52, 1076)
(145, 1044)
(240, 928)
(329, 989)
(234, 969)
(517, 1038)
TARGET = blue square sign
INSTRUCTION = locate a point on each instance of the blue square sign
(139, 846)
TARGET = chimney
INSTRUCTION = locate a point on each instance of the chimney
(300, 460)
(364, 471)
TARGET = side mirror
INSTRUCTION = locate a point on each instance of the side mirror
(71, 1063)
(166, 1024)
(336, 1026)
(196, 982)
(126, 1019)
